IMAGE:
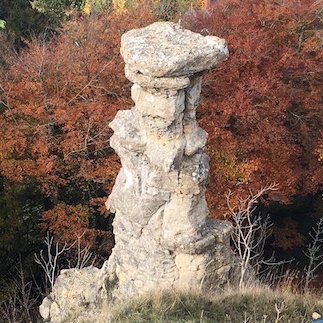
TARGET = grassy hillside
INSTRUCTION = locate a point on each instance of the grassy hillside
(253, 305)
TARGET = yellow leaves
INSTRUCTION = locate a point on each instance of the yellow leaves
(186, 4)
(232, 167)
(320, 152)
(119, 5)
(179, 5)
(2, 24)
(87, 7)
(122, 5)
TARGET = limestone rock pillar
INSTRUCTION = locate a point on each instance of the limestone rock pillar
(164, 238)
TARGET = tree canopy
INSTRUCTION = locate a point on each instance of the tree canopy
(262, 108)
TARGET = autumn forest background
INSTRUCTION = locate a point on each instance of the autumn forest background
(62, 82)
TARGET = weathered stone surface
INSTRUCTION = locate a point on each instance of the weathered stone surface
(169, 83)
(45, 308)
(166, 105)
(77, 292)
(164, 238)
(166, 49)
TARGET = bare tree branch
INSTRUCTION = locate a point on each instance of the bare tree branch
(249, 232)
(50, 259)
(314, 253)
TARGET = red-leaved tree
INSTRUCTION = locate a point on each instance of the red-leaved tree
(57, 99)
(263, 107)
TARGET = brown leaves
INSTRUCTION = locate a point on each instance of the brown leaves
(262, 108)
(59, 97)
(69, 222)
(251, 104)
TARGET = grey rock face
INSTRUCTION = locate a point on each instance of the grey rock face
(77, 293)
(164, 238)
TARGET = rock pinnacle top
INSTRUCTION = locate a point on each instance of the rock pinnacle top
(166, 49)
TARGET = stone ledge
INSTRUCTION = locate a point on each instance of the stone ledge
(166, 83)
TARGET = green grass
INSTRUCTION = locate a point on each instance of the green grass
(252, 306)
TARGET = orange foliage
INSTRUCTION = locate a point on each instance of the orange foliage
(69, 222)
(263, 107)
(58, 99)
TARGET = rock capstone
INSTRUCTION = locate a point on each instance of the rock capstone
(168, 50)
